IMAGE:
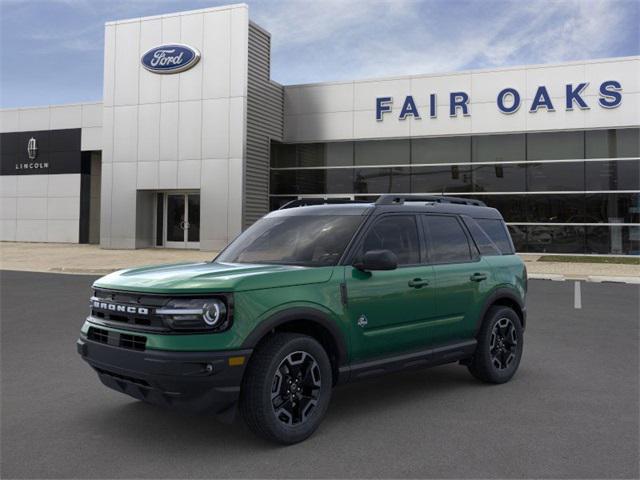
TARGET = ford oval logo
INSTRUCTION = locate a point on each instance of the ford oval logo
(171, 58)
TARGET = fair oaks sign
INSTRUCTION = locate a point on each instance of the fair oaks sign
(508, 100)
(173, 58)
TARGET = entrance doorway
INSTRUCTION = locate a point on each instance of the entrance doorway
(182, 220)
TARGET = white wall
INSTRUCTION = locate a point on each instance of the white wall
(40, 208)
(177, 131)
(87, 116)
(346, 110)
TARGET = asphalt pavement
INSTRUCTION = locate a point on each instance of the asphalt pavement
(571, 411)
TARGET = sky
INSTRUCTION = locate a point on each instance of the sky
(51, 51)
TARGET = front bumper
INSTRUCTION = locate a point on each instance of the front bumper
(194, 381)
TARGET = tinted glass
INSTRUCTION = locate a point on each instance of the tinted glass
(499, 178)
(317, 240)
(555, 145)
(497, 231)
(499, 148)
(613, 143)
(513, 208)
(441, 150)
(283, 155)
(612, 208)
(483, 242)
(613, 240)
(382, 152)
(554, 239)
(287, 182)
(397, 233)
(382, 180)
(613, 175)
(555, 208)
(441, 179)
(542, 177)
(447, 240)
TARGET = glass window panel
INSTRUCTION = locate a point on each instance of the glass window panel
(612, 208)
(441, 179)
(441, 150)
(512, 207)
(339, 154)
(613, 175)
(519, 237)
(382, 152)
(555, 145)
(556, 208)
(382, 180)
(613, 143)
(542, 177)
(339, 180)
(447, 241)
(276, 202)
(193, 234)
(283, 182)
(397, 233)
(496, 231)
(499, 148)
(481, 238)
(283, 155)
(499, 178)
(555, 239)
(613, 240)
(310, 154)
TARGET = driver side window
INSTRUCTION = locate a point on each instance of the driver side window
(397, 233)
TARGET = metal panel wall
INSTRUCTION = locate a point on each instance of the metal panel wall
(265, 120)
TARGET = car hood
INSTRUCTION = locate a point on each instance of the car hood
(211, 276)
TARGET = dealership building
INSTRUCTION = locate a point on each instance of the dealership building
(193, 142)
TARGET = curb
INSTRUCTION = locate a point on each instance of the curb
(588, 278)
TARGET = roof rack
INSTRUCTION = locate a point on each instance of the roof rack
(400, 199)
(305, 202)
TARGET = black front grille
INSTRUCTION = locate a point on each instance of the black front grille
(122, 340)
(134, 311)
(126, 378)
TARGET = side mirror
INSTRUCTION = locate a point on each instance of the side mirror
(377, 260)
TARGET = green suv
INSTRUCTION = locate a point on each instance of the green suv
(310, 297)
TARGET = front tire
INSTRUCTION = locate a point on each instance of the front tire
(286, 388)
(500, 344)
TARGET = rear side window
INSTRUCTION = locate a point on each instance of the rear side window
(497, 232)
(397, 233)
(447, 241)
(484, 243)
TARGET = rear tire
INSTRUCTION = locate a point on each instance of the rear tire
(286, 388)
(500, 344)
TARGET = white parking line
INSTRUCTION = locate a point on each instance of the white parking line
(577, 295)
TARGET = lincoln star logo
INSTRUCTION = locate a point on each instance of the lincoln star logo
(32, 148)
(113, 307)
(172, 58)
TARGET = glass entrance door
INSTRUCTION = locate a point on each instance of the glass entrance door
(182, 220)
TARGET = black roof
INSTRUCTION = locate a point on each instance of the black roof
(393, 203)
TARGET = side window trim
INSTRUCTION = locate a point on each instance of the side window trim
(474, 254)
(357, 245)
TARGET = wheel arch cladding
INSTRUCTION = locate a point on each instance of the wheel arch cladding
(503, 297)
(306, 321)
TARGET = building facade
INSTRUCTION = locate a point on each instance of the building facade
(190, 157)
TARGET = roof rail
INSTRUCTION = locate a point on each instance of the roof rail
(305, 202)
(400, 199)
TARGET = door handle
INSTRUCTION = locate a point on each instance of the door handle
(478, 277)
(418, 282)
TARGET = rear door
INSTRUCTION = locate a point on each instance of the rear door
(461, 276)
(389, 311)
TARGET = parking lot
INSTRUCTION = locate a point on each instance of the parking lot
(571, 410)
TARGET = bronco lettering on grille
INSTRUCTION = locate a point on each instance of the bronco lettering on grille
(119, 308)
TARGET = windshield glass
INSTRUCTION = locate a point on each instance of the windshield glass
(313, 240)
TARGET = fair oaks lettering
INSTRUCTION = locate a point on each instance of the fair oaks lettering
(508, 101)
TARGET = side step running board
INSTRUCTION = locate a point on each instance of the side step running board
(425, 358)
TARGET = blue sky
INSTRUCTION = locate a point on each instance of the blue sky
(51, 50)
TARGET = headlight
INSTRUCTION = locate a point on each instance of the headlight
(195, 314)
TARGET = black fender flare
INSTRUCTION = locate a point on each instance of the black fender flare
(499, 294)
(297, 314)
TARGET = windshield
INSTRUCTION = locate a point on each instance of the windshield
(313, 240)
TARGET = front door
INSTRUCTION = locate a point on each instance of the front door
(182, 220)
(390, 311)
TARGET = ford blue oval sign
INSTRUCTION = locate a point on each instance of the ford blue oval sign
(172, 58)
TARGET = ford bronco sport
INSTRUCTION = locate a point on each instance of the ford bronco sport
(310, 297)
